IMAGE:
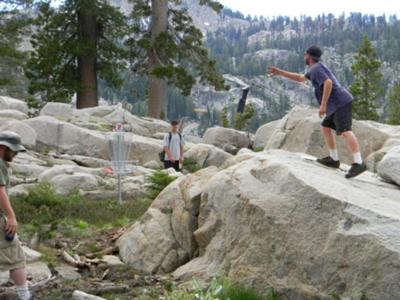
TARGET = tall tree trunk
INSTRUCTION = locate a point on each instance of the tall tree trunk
(88, 35)
(157, 86)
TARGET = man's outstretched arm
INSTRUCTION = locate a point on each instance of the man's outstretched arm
(274, 71)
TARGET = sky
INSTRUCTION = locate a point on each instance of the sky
(295, 8)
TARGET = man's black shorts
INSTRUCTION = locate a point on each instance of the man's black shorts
(341, 120)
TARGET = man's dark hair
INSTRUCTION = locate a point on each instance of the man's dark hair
(315, 52)
(174, 123)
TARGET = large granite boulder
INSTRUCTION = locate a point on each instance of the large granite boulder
(64, 184)
(276, 219)
(299, 131)
(207, 155)
(27, 133)
(68, 138)
(389, 166)
(140, 126)
(264, 133)
(106, 117)
(163, 239)
(71, 139)
(60, 111)
(374, 158)
(226, 137)
(12, 103)
(12, 114)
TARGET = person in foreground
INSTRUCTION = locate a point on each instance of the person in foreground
(12, 257)
(173, 148)
(335, 104)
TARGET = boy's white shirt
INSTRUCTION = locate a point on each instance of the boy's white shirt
(174, 146)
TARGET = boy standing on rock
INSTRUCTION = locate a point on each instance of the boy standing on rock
(12, 257)
(335, 104)
(173, 148)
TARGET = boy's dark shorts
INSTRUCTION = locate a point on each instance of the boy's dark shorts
(168, 164)
(341, 120)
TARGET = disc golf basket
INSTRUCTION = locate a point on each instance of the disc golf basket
(119, 149)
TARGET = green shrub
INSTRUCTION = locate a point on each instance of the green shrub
(42, 195)
(191, 165)
(224, 117)
(241, 120)
(158, 181)
(49, 255)
(219, 289)
(32, 102)
(45, 212)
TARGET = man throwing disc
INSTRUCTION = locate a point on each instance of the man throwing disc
(335, 106)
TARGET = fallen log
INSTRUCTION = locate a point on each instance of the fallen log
(71, 260)
(79, 295)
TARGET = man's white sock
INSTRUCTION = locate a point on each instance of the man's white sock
(357, 158)
(334, 154)
(23, 292)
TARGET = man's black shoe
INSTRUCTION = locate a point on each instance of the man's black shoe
(356, 169)
(329, 162)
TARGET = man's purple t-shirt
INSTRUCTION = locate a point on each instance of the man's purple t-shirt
(340, 96)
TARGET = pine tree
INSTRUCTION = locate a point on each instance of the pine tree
(394, 105)
(367, 85)
(224, 117)
(169, 50)
(77, 44)
(241, 121)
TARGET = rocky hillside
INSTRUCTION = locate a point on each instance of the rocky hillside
(244, 46)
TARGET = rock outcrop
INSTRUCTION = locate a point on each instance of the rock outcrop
(299, 131)
(276, 219)
(72, 139)
(389, 167)
(12, 103)
(163, 239)
(226, 138)
(104, 118)
(27, 133)
(207, 155)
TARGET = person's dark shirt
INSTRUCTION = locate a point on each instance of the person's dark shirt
(339, 97)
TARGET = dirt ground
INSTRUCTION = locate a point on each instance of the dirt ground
(119, 282)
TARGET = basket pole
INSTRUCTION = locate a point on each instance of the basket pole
(119, 189)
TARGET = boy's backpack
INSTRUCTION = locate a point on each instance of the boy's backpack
(162, 153)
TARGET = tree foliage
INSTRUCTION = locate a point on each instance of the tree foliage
(394, 105)
(59, 45)
(367, 85)
(13, 26)
(241, 121)
(180, 49)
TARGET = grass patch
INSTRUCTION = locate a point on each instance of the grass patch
(219, 289)
(105, 127)
(191, 165)
(156, 182)
(49, 255)
(47, 213)
(49, 163)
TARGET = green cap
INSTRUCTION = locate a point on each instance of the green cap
(11, 140)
